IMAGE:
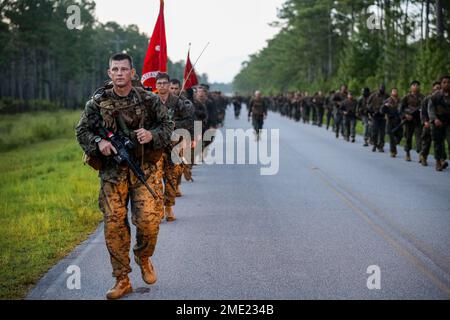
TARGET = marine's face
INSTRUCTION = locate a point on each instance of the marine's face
(162, 85)
(445, 84)
(201, 94)
(394, 93)
(415, 88)
(121, 73)
(175, 88)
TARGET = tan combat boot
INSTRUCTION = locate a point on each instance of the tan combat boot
(169, 214)
(423, 160)
(147, 271)
(178, 192)
(408, 156)
(439, 165)
(121, 288)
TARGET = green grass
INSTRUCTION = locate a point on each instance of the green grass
(48, 201)
(24, 129)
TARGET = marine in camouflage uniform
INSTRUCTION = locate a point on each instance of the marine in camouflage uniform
(391, 111)
(337, 100)
(137, 114)
(306, 107)
(375, 103)
(439, 113)
(201, 114)
(329, 109)
(319, 101)
(349, 111)
(258, 112)
(181, 112)
(362, 113)
(410, 110)
(426, 130)
(296, 102)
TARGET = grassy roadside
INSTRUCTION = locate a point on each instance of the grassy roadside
(48, 202)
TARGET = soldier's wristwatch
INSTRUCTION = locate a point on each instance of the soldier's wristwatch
(97, 139)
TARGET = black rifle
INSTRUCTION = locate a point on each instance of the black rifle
(123, 146)
(404, 121)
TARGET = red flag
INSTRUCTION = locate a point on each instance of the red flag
(190, 78)
(156, 57)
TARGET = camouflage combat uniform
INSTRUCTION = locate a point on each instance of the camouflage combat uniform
(257, 110)
(378, 130)
(362, 112)
(391, 111)
(337, 99)
(349, 111)
(439, 108)
(118, 184)
(181, 112)
(411, 105)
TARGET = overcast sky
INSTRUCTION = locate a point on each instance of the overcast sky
(234, 28)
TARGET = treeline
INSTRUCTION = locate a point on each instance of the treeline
(324, 43)
(44, 63)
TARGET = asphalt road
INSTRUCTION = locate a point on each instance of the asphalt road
(308, 232)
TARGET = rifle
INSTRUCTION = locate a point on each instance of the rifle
(123, 145)
(404, 121)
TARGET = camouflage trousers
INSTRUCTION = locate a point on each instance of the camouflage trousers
(394, 137)
(113, 202)
(413, 128)
(160, 187)
(171, 173)
(426, 141)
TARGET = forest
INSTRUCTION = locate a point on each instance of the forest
(325, 43)
(45, 65)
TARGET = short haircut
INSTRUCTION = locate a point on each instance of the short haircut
(162, 75)
(122, 56)
(175, 81)
(415, 82)
(205, 86)
(445, 77)
(436, 83)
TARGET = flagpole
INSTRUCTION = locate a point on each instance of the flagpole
(193, 66)
(184, 80)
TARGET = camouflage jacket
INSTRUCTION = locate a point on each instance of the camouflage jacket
(140, 109)
(439, 107)
(201, 113)
(376, 102)
(181, 112)
(391, 108)
(361, 108)
(257, 108)
(337, 99)
(349, 108)
(411, 104)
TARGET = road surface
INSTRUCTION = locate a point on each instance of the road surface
(309, 232)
